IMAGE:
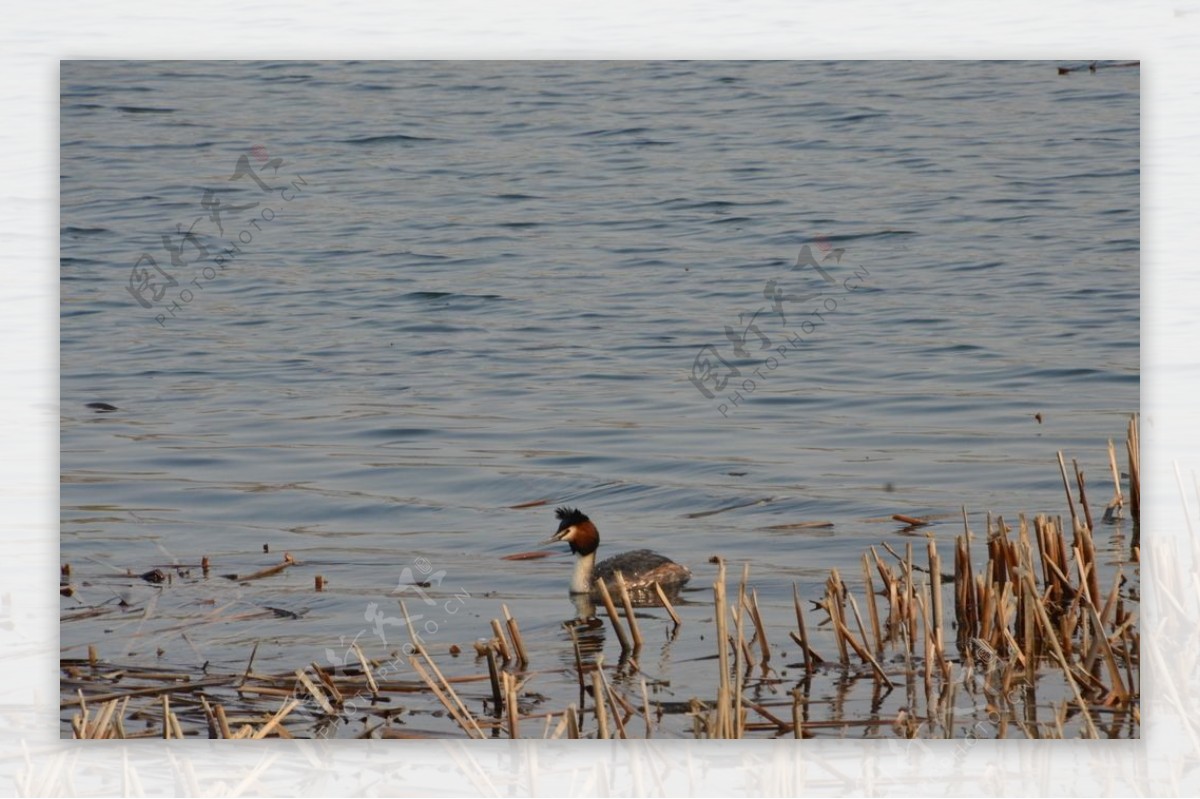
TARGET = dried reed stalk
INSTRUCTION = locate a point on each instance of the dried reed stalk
(494, 678)
(810, 657)
(510, 704)
(288, 560)
(835, 607)
(317, 694)
(606, 598)
(646, 707)
(1118, 501)
(760, 629)
(723, 712)
(1062, 468)
(630, 619)
(501, 642)
(514, 632)
(740, 654)
(277, 719)
(797, 726)
(327, 680)
(666, 603)
(1079, 481)
(366, 667)
(599, 703)
(873, 611)
(935, 590)
(1133, 447)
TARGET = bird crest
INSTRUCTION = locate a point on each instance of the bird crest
(569, 517)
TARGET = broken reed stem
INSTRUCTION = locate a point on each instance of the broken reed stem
(1133, 447)
(872, 610)
(366, 667)
(760, 628)
(646, 706)
(572, 719)
(1087, 511)
(740, 654)
(578, 666)
(510, 703)
(514, 632)
(834, 607)
(797, 728)
(1085, 557)
(501, 641)
(249, 665)
(598, 700)
(494, 679)
(316, 693)
(963, 588)
(103, 719)
(1118, 500)
(606, 598)
(288, 560)
(1062, 468)
(803, 639)
(210, 718)
(326, 679)
(611, 697)
(630, 619)
(276, 719)
(1110, 661)
(935, 590)
(891, 586)
(724, 726)
(666, 603)
(222, 721)
(927, 639)
(862, 632)
(910, 599)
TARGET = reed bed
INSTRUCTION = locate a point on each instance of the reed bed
(1029, 642)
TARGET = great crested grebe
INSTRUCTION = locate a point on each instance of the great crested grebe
(641, 568)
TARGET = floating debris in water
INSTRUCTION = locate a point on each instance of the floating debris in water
(288, 560)
(533, 504)
(528, 555)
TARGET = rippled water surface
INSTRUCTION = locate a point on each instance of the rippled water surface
(441, 290)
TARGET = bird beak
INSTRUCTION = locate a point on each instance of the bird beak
(554, 539)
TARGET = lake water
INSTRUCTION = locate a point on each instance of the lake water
(358, 311)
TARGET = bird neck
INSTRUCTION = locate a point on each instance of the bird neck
(581, 582)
